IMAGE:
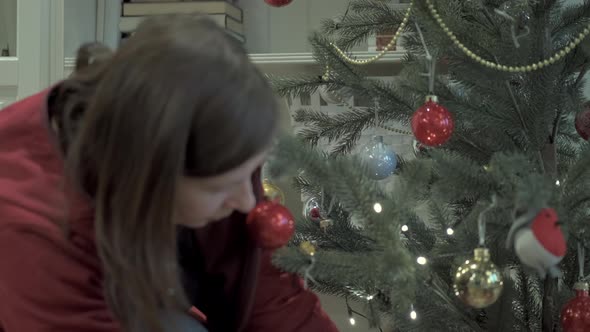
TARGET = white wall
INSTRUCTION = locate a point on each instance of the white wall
(268, 29)
(79, 24)
(8, 25)
(286, 29)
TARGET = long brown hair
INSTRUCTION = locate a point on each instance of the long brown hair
(180, 97)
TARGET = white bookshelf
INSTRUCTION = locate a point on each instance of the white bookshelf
(277, 38)
(28, 69)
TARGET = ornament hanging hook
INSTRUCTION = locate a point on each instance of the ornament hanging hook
(515, 37)
(481, 223)
(581, 259)
(331, 206)
(431, 62)
(376, 107)
(307, 273)
(323, 202)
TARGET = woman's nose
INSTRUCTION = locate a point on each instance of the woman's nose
(243, 199)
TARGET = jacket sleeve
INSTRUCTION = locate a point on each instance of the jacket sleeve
(45, 287)
(282, 304)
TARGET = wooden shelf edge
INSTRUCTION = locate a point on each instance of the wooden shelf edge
(294, 58)
(292, 63)
(8, 71)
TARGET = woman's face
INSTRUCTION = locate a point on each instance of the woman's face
(202, 200)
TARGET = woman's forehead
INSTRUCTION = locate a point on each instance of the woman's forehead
(245, 169)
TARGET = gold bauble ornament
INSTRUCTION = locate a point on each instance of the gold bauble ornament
(272, 192)
(307, 247)
(478, 282)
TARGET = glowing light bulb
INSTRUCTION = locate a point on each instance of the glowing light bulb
(405, 228)
(377, 207)
(450, 231)
(352, 321)
(557, 183)
(413, 315)
(421, 260)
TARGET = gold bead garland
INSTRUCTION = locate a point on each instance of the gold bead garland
(388, 47)
(513, 69)
(489, 64)
(492, 65)
(395, 130)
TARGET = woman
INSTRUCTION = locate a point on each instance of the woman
(162, 145)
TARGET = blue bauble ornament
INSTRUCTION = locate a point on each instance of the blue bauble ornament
(379, 158)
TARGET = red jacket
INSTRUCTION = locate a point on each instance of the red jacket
(52, 283)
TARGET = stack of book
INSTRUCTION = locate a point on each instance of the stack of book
(226, 13)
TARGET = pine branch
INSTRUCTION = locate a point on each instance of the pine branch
(503, 121)
(456, 171)
(340, 236)
(579, 170)
(295, 85)
(346, 179)
(331, 266)
(327, 55)
(344, 129)
(367, 17)
(573, 16)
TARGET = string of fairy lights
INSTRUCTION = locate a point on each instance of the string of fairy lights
(495, 65)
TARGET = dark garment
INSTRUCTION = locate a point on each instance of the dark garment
(181, 322)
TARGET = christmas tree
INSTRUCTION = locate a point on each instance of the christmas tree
(486, 228)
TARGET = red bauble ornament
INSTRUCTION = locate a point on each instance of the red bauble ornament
(432, 124)
(278, 3)
(315, 213)
(575, 315)
(312, 210)
(271, 225)
(582, 124)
